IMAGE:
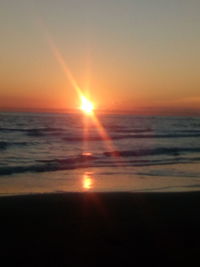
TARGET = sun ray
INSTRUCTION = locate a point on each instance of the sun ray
(65, 68)
(86, 106)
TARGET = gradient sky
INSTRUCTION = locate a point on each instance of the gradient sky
(133, 54)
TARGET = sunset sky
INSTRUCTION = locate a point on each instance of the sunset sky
(132, 54)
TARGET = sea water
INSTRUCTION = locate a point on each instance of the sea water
(43, 152)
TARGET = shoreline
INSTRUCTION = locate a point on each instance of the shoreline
(147, 192)
(90, 192)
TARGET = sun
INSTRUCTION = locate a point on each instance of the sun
(87, 106)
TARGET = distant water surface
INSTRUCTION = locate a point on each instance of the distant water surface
(68, 152)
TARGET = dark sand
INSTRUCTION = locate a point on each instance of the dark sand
(103, 229)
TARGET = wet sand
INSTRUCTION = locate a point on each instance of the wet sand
(100, 229)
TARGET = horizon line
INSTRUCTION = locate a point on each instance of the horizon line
(151, 111)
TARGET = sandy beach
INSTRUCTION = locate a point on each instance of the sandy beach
(100, 229)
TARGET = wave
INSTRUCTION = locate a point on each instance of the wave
(134, 131)
(107, 159)
(116, 133)
(47, 129)
(152, 152)
(50, 165)
(59, 165)
(174, 135)
(5, 145)
(134, 136)
(60, 131)
(36, 132)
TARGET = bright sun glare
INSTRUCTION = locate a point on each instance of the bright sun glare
(87, 106)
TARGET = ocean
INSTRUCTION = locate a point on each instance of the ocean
(51, 153)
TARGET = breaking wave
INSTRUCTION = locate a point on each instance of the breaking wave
(109, 159)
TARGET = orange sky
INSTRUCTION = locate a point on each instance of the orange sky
(132, 55)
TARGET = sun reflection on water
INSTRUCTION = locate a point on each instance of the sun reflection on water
(88, 181)
(87, 154)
